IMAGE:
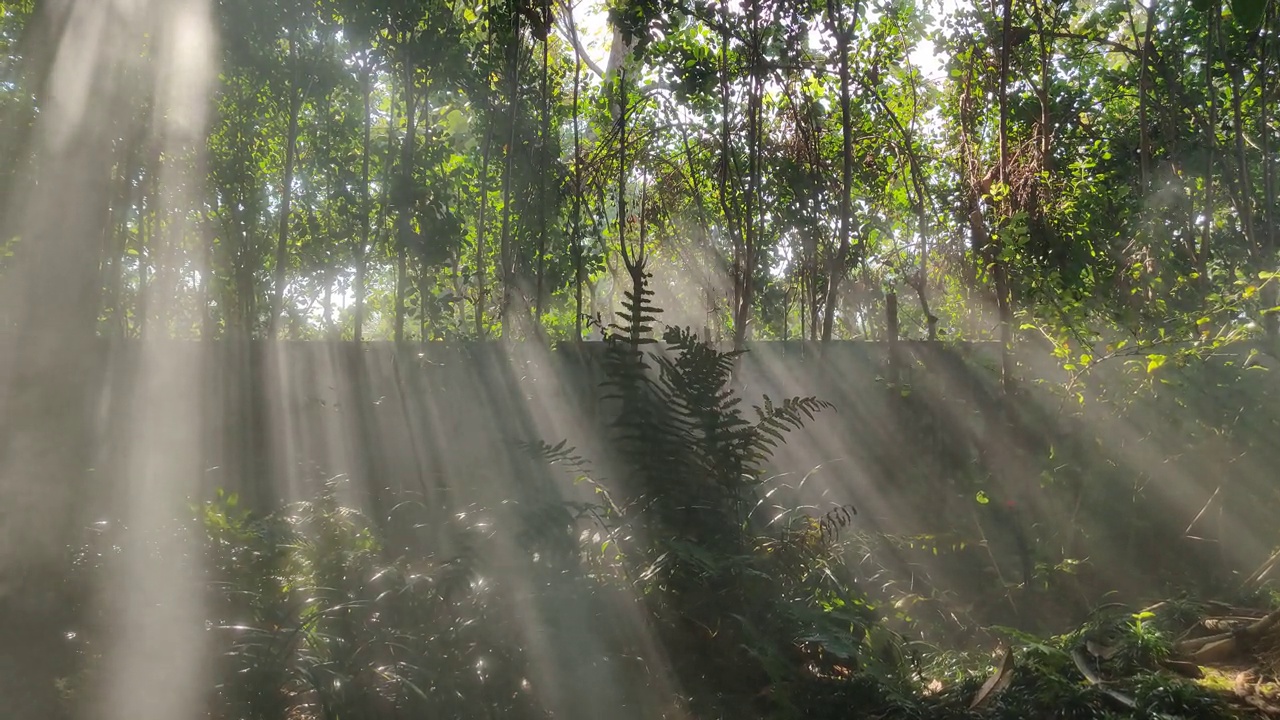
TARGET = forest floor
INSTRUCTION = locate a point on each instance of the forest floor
(1174, 659)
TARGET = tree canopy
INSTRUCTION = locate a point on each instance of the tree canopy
(375, 169)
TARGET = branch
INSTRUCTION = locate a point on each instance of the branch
(1113, 45)
(570, 32)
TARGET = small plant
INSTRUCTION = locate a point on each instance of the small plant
(1143, 645)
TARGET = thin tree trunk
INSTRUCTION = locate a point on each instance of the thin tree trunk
(545, 155)
(406, 195)
(892, 333)
(787, 294)
(1245, 206)
(330, 330)
(223, 262)
(147, 221)
(401, 283)
(726, 158)
(1144, 75)
(1271, 296)
(632, 268)
(751, 209)
(1042, 93)
(838, 264)
(506, 252)
(1211, 45)
(246, 291)
(578, 250)
(921, 280)
(208, 324)
(366, 207)
(238, 314)
(481, 227)
(113, 302)
(389, 180)
(422, 305)
(286, 195)
(1003, 299)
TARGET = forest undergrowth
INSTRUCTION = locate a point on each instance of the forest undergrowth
(687, 581)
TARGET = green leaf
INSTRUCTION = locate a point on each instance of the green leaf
(982, 498)
(1248, 14)
(1155, 362)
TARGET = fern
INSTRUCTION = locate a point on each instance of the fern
(558, 454)
(693, 454)
(638, 313)
(693, 458)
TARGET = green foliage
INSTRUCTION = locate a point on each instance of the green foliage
(1046, 676)
(741, 603)
(1119, 213)
(310, 611)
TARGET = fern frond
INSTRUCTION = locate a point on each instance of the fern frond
(557, 454)
(836, 520)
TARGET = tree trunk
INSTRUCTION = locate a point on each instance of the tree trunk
(506, 252)
(1144, 75)
(579, 251)
(1003, 299)
(423, 289)
(406, 197)
(1271, 296)
(1245, 203)
(751, 210)
(632, 267)
(1211, 142)
(113, 302)
(208, 324)
(330, 330)
(402, 283)
(892, 333)
(148, 218)
(545, 156)
(838, 263)
(246, 309)
(366, 209)
(1271, 292)
(481, 227)
(286, 194)
(726, 160)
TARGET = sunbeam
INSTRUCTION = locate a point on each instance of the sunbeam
(390, 359)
